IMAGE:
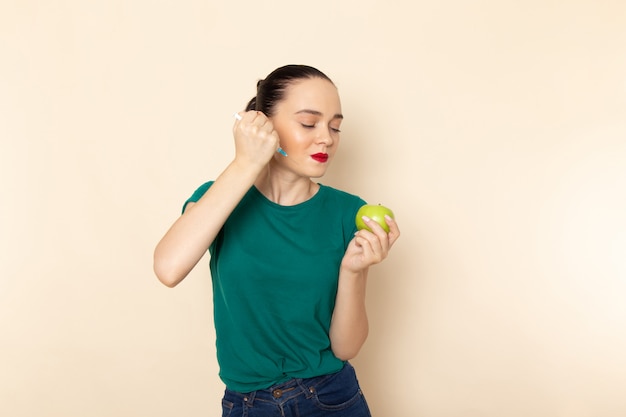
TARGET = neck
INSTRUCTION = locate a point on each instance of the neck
(283, 190)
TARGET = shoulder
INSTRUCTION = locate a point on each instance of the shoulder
(342, 197)
(344, 205)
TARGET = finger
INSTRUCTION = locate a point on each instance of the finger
(268, 126)
(373, 247)
(364, 244)
(377, 229)
(394, 230)
(238, 118)
(259, 119)
(245, 116)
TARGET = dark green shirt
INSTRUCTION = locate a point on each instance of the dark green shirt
(275, 271)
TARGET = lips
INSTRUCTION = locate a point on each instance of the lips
(320, 157)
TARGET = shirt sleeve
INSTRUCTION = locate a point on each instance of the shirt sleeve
(350, 219)
(197, 195)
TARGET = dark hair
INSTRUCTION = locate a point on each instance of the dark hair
(271, 90)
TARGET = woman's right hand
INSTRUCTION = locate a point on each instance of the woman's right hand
(256, 141)
(187, 240)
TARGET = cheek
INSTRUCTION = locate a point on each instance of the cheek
(284, 132)
(295, 139)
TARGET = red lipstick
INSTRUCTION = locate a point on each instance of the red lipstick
(320, 157)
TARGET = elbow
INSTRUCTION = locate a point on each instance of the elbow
(345, 358)
(165, 273)
(168, 282)
(346, 354)
(347, 350)
(165, 278)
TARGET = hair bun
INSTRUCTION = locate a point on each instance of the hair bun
(251, 104)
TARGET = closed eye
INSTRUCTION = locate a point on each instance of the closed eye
(334, 129)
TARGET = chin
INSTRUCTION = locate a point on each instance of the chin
(317, 173)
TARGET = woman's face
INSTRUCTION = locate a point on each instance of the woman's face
(307, 121)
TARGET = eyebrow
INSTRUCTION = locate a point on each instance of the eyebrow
(318, 113)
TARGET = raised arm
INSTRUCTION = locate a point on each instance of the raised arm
(188, 239)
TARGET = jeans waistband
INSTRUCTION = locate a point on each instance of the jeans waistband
(286, 390)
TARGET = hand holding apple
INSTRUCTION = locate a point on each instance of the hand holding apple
(375, 212)
(370, 247)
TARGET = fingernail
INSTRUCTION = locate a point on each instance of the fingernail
(366, 219)
(388, 217)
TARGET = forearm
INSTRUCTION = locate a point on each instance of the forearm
(349, 326)
(188, 239)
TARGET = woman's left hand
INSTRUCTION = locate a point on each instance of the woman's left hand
(369, 248)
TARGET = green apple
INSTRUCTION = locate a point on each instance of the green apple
(375, 212)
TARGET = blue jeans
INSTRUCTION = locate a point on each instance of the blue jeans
(336, 395)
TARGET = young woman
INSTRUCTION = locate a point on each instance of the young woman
(289, 268)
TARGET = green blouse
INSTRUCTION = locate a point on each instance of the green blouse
(275, 270)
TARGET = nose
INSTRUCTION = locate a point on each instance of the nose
(325, 136)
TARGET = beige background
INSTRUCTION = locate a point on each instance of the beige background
(496, 130)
